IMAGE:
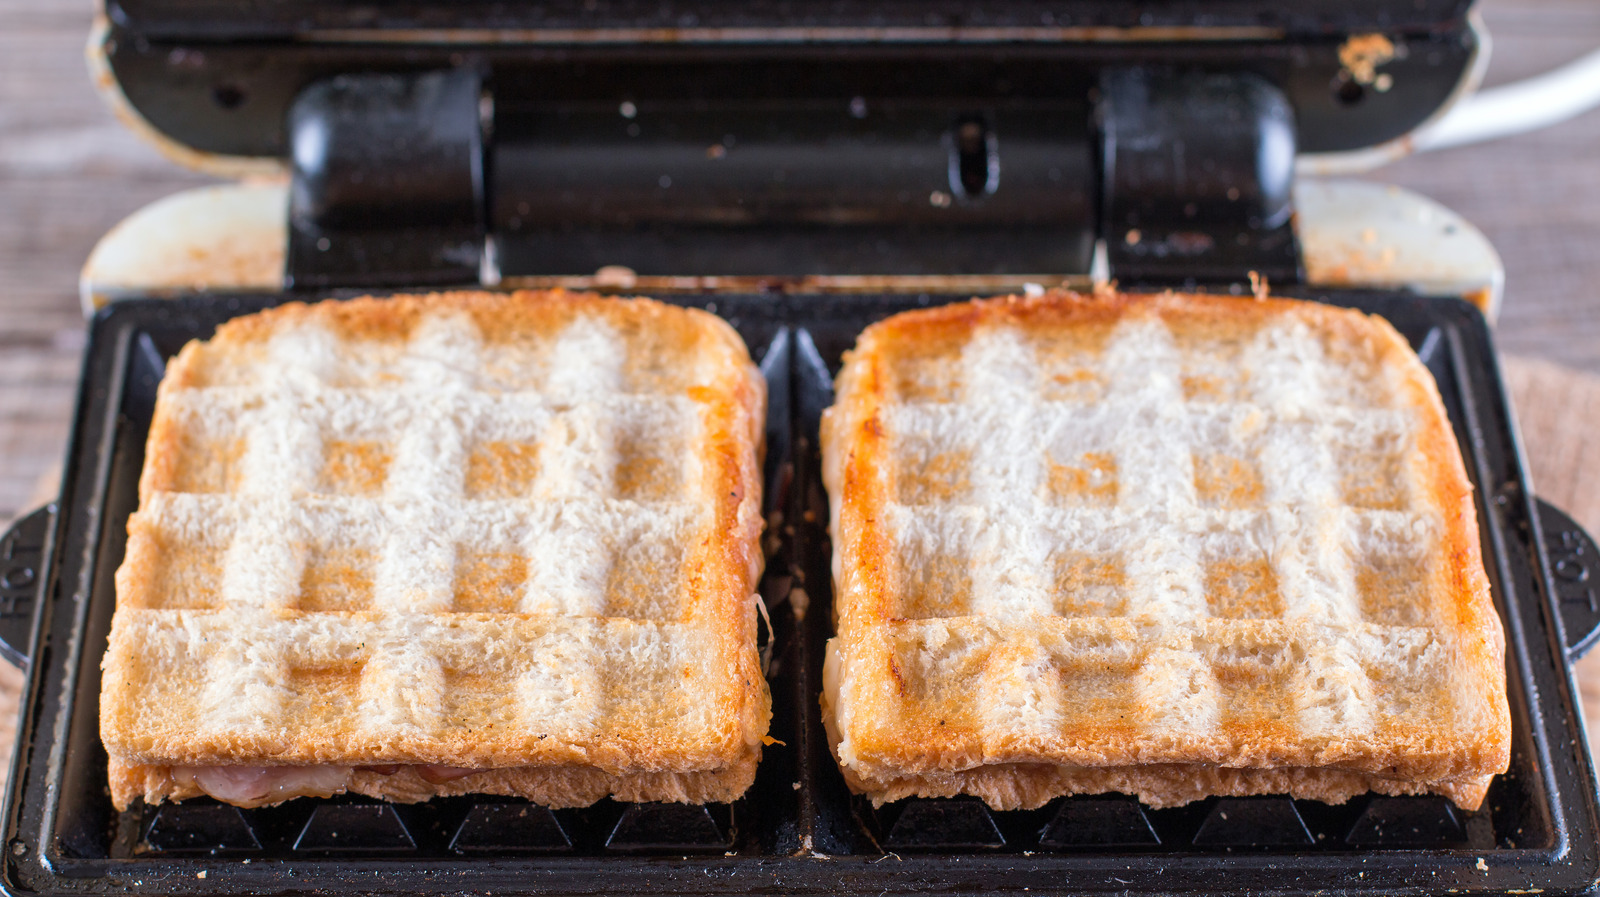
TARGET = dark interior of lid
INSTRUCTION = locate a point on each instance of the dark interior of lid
(673, 20)
(232, 98)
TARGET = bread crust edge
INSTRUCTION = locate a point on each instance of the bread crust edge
(853, 443)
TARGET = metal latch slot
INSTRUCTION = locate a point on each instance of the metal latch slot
(974, 158)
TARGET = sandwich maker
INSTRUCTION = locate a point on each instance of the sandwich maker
(801, 168)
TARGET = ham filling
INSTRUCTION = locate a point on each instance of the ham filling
(254, 786)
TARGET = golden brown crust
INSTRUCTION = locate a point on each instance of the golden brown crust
(920, 652)
(1028, 785)
(181, 606)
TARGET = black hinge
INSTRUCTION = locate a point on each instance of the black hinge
(1195, 179)
(388, 181)
(1197, 171)
(1570, 556)
(24, 550)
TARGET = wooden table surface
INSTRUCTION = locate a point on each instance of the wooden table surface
(69, 171)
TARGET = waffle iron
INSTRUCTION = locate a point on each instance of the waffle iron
(801, 169)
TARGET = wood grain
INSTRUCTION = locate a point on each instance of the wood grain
(69, 171)
(1536, 196)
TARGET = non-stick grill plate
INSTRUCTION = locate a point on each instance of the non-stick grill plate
(798, 829)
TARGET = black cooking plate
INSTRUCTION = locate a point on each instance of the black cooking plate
(798, 829)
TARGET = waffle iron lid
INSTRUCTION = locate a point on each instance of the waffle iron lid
(672, 21)
(219, 76)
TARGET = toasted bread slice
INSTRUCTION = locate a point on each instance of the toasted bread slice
(437, 544)
(1171, 545)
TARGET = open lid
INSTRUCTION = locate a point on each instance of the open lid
(217, 76)
(653, 21)
(853, 137)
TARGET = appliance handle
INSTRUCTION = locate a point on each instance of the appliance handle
(23, 549)
(1572, 578)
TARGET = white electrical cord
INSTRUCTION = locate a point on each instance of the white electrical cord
(1527, 105)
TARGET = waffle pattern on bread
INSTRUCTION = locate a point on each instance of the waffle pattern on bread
(1168, 545)
(511, 533)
